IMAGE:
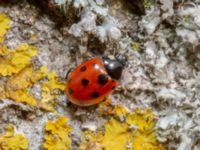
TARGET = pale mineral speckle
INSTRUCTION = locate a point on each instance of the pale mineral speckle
(80, 3)
(186, 142)
(88, 23)
(173, 94)
(60, 2)
(167, 7)
(32, 129)
(151, 20)
(167, 121)
(89, 125)
(36, 91)
(114, 33)
(188, 35)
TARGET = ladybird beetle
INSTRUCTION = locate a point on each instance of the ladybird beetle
(93, 80)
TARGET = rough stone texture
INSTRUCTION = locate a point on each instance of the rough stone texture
(163, 74)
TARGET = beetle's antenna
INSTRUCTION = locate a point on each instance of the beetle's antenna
(122, 58)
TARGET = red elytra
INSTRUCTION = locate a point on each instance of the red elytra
(89, 83)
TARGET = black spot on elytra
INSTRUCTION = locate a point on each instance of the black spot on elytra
(70, 90)
(95, 94)
(83, 69)
(102, 79)
(84, 82)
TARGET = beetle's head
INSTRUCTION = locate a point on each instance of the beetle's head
(114, 67)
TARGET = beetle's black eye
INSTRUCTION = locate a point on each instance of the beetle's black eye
(113, 67)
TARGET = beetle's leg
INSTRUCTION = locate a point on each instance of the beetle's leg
(68, 72)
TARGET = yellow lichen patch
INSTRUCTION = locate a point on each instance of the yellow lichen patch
(142, 120)
(120, 111)
(57, 135)
(2, 91)
(91, 141)
(17, 85)
(144, 137)
(16, 66)
(146, 141)
(146, 3)
(53, 83)
(26, 78)
(11, 141)
(117, 136)
(4, 26)
(105, 107)
(49, 100)
(49, 93)
(22, 96)
(136, 132)
(135, 46)
(12, 62)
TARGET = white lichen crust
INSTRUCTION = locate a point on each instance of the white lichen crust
(94, 19)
